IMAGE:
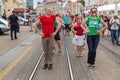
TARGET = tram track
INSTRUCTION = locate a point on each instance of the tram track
(68, 59)
(112, 52)
(70, 72)
(36, 67)
(79, 70)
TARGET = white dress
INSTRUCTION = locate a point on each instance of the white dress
(78, 40)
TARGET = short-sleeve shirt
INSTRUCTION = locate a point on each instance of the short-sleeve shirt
(66, 20)
(93, 24)
(114, 26)
(47, 25)
(55, 24)
(13, 18)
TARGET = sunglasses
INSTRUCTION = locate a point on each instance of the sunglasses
(93, 11)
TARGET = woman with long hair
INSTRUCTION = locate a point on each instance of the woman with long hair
(93, 35)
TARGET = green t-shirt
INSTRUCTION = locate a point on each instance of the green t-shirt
(93, 24)
(55, 24)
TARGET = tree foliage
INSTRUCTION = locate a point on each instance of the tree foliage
(81, 1)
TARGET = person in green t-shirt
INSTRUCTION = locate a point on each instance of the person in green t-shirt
(93, 35)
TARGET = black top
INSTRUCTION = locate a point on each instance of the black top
(4, 17)
(13, 18)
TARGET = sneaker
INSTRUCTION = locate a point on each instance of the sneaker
(118, 44)
(89, 65)
(93, 66)
(45, 66)
(16, 38)
(50, 67)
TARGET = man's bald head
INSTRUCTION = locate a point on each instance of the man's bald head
(48, 11)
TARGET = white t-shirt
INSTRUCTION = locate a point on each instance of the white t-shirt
(114, 26)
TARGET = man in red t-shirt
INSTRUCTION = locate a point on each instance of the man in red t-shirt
(47, 35)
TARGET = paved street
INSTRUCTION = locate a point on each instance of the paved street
(8, 44)
(18, 62)
(23, 57)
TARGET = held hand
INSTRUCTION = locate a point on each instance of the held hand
(53, 34)
(115, 22)
(99, 31)
(63, 25)
(86, 31)
(75, 32)
(41, 34)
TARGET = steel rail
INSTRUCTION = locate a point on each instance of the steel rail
(68, 59)
(36, 66)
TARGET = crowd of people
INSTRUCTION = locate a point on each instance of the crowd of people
(84, 29)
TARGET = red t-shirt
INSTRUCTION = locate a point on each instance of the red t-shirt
(47, 25)
(79, 30)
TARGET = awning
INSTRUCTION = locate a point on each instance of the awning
(21, 10)
(108, 7)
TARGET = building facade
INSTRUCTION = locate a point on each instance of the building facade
(59, 6)
(9, 5)
(29, 4)
(100, 2)
(106, 7)
(1, 7)
(22, 4)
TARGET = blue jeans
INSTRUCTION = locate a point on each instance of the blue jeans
(92, 42)
(114, 36)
